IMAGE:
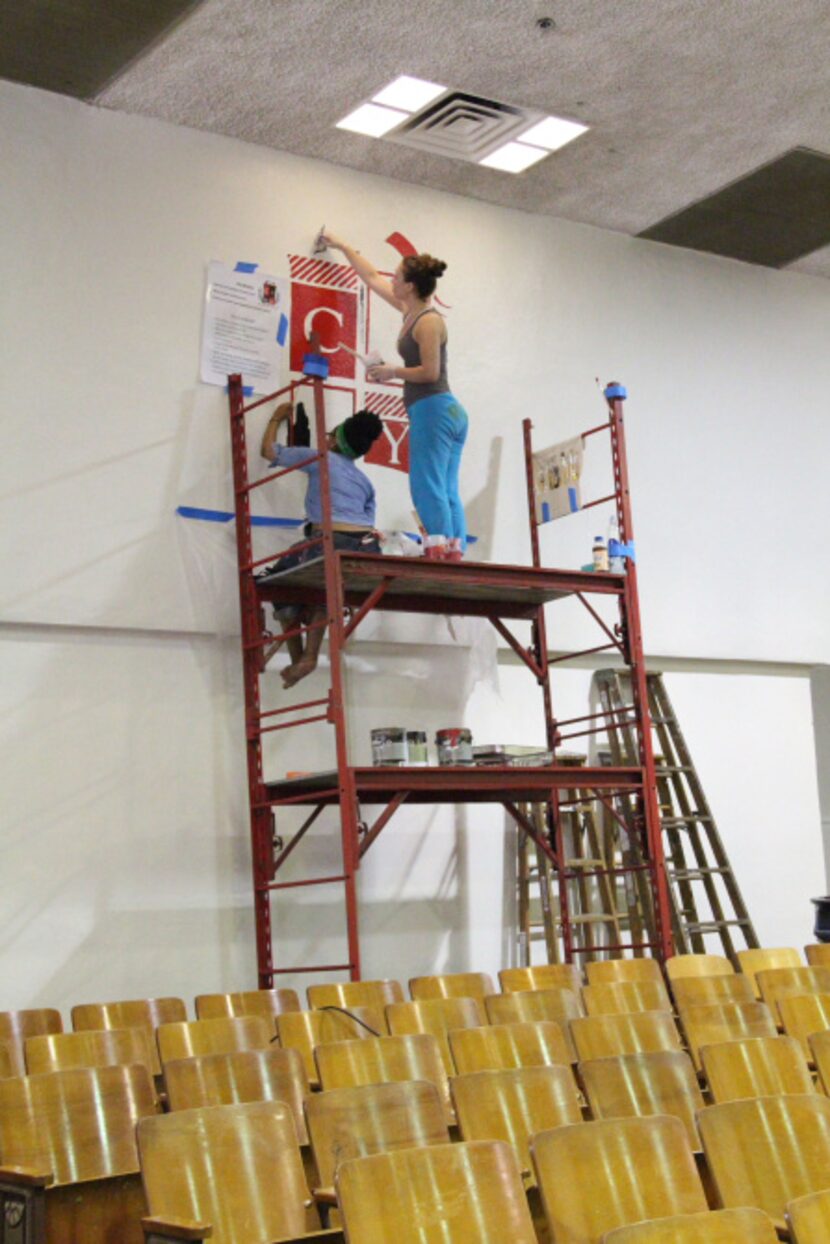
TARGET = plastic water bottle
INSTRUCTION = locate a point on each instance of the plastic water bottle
(616, 562)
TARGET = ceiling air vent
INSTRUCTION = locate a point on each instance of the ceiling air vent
(463, 127)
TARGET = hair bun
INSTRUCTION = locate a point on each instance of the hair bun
(436, 267)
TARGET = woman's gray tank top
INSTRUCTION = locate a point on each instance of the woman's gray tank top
(411, 354)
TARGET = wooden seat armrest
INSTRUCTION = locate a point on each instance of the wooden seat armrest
(176, 1228)
(333, 1235)
(326, 1196)
(25, 1177)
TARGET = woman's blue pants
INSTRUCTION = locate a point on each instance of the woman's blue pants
(437, 432)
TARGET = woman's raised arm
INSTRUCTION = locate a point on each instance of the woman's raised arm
(367, 271)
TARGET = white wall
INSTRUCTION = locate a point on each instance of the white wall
(127, 836)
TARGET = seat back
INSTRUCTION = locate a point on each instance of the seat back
(639, 1169)
(759, 959)
(817, 954)
(683, 966)
(765, 1151)
(538, 1044)
(145, 1013)
(640, 1085)
(618, 997)
(61, 1050)
(639, 1032)
(451, 985)
(266, 1003)
(437, 1016)
(726, 1021)
(809, 1217)
(515, 1104)
(77, 1124)
(720, 1226)
(557, 1005)
(242, 1075)
(236, 1167)
(305, 1030)
(541, 976)
(8, 1059)
(193, 1037)
(819, 1043)
(416, 1056)
(804, 1014)
(777, 983)
(603, 971)
(705, 990)
(759, 1067)
(455, 1194)
(16, 1026)
(349, 994)
(372, 1118)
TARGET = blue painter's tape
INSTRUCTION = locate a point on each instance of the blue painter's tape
(572, 499)
(282, 331)
(545, 512)
(225, 516)
(615, 390)
(247, 390)
(246, 267)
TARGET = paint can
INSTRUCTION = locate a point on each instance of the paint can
(455, 746)
(417, 749)
(389, 746)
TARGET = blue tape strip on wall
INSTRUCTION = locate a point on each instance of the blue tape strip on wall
(282, 331)
(246, 267)
(574, 504)
(247, 390)
(225, 516)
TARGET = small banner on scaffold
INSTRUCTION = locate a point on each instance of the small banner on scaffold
(557, 472)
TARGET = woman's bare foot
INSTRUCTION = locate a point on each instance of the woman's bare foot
(300, 669)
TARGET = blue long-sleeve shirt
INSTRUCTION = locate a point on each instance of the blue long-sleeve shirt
(352, 492)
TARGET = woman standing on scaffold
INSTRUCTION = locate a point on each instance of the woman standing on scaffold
(437, 422)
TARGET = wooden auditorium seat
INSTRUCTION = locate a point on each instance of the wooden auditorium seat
(498, 1046)
(371, 1118)
(416, 1056)
(60, 1051)
(663, 1082)
(603, 971)
(559, 1006)
(541, 976)
(514, 1104)
(349, 994)
(305, 1030)
(809, 1217)
(469, 1193)
(766, 1151)
(243, 1075)
(619, 997)
(639, 1032)
(758, 1067)
(8, 1059)
(706, 990)
(680, 967)
(817, 954)
(193, 1037)
(266, 1003)
(147, 1013)
(231, 1172)
(451, 985)
(720, 1226)
(75, 1132)
(16, 1026)
(726, 1021)
(804, 1014)
(819, 1043)
(777, 983)
(760, 959)
(437, 1016)
(597, 1176)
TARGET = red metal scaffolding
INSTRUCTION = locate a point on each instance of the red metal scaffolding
(348, 586)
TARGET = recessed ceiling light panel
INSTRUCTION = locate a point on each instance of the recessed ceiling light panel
(408, 93)
(373, 120)
(552, 133)
(513, 157)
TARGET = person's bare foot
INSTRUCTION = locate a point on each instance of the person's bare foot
(300, 669)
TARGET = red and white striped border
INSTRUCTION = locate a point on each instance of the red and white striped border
(321, 272)
(387, 405)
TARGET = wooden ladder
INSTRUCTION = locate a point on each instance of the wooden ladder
(706, 900)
